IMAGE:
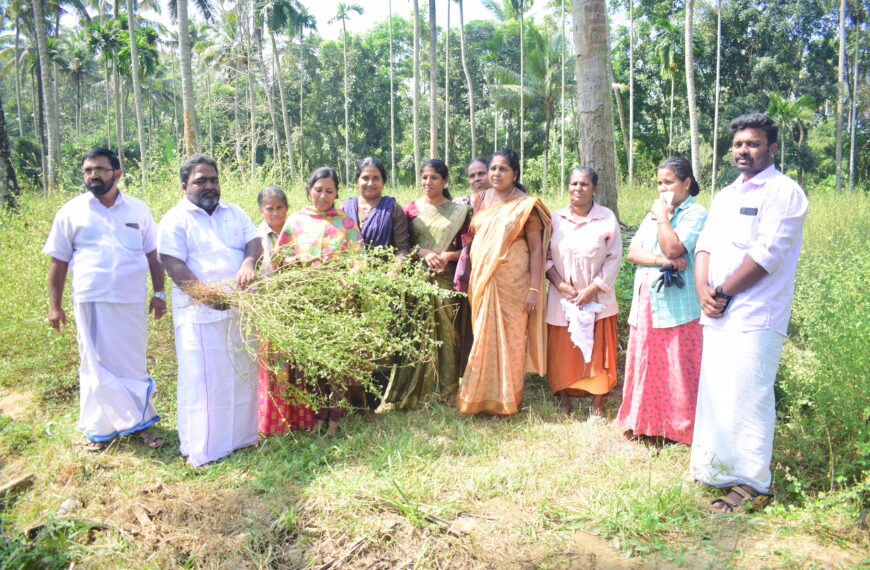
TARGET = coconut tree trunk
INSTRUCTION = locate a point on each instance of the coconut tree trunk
(18, 80)
(630, 147)
(690, 87)
(841, 95)
(467, 74)
(433, 83)
(716, 101)
(39, 122)
(523, 85)
(415, 102)
(119, 135)
(46, 78)
(853, 126)
(270, 101)
(137, 91)
(594, 112)
(346, 105)
(188, 100)
(392, 102)
(9, 189)
(285, 115)
(252, 99)
(447, 89)
(562, 103)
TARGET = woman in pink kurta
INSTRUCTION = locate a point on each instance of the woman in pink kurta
(582, 265)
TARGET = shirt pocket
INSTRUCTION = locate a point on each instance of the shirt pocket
(130, 238)
(745, 225)
(232, 234)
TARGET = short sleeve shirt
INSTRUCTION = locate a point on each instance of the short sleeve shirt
(669, 306)
(105, 247)
(212, 247)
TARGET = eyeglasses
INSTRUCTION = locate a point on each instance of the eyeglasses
(99, 170)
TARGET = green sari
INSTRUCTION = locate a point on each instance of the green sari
(436, 377)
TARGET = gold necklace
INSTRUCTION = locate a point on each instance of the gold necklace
(509, 196)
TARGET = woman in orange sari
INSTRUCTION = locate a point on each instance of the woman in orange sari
(511, 232)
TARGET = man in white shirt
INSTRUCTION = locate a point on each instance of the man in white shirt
(204, 240)
(745, 264)
(107, 241)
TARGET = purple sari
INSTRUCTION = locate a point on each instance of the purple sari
(377, 230)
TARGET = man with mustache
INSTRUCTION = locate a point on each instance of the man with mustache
(107, 241)
(204, 240)
(745, 263)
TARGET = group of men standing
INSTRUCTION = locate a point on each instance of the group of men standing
(746, 260)
(108, 241)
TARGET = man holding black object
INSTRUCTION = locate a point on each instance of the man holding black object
(745, 264)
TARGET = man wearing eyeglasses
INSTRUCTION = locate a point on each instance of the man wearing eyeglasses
(107, 242)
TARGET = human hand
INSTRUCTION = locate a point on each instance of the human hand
(531, 301)
(246, 275)
(568, 291)
(587, 295)
(57, 318)
(710, 306)
(661, 210)
(434, 260)
(157, 307)
(678, 262)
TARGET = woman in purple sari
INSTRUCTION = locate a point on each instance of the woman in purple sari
(380, 218)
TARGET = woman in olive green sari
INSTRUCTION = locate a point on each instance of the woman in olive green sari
(436, 225)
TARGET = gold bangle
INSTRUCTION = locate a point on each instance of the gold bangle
(533, 289)
(663, 222)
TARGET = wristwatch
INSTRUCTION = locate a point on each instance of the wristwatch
(718, 293)
(160, 295)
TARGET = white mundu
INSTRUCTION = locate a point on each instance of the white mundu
(217, 375)
(105, 249)
(734, 424)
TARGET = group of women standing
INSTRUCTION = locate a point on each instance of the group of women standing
(500, 244)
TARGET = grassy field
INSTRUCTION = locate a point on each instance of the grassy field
(432, 488)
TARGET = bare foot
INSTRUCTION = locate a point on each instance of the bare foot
(317, 427)
(333, 427)
(564, 405)
(597, 408)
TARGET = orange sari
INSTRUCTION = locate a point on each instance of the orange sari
(507, 341)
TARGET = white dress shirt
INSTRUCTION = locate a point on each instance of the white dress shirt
(212, 246)
(763, 218)
(105, 247)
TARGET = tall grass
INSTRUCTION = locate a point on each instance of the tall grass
(526, 480)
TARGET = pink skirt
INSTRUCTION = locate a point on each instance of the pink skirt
(662, 367)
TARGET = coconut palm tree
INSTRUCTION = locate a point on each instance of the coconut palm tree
(594, 112)
(515, 10)
(433, 83)
(49, 97)
(665, 49)
(690, 87)
(342, 14)
(179, 11)
(787, 113)
(415, 100)
(81, 67)
(542, 84)
(468, 83)
(137, 89)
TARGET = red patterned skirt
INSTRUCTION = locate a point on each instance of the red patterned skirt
(276, 414)
(662, 367)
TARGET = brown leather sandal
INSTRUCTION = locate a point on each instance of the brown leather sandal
(740, 498)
